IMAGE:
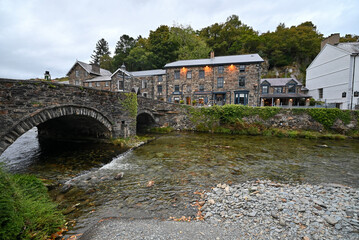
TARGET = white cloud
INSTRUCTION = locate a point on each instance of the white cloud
(39, 35)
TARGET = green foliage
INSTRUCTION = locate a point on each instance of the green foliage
(161, 130)
(327, 117)
(26, 211)
(129, 103)
(101, 50)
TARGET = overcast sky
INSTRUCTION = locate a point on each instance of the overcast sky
(39, 35)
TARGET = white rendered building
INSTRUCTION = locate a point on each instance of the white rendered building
(333, 76)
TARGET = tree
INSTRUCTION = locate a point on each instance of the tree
(101, 50)
(190, 46)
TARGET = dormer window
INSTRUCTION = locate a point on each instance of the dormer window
(265, 89)
(292, 88)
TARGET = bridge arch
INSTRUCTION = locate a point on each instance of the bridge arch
(81, 122)
(145, 120)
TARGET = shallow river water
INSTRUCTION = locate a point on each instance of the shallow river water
(161, 178)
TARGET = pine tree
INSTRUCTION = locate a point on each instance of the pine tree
(101, 50)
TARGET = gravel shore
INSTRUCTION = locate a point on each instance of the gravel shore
(253, 210)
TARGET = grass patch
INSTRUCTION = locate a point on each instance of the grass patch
(26, 211)
(161, 130)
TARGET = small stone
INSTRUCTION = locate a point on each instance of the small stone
(66, 188)
(119, 176)
(282, 222)
(274, 214)
(211, 201)
(338, 226)
(331, 220)
(320, 203)
(252, 214)
(208, 214)
(305, 238)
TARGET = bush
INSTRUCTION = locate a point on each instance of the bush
(26, 211)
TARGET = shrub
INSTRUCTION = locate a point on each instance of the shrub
(26, 211)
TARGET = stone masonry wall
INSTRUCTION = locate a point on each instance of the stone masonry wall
(25, 104)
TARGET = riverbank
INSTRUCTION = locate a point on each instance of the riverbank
(253, 210)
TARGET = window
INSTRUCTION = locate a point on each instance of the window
(77, 73)
(220, 82)
(189, 74)
(176, 88)
(120, 74)
(159, 89)
(176, 100)
(97, 84)
(144, 83)
(356, 94)
(77, 82)
(189, 89)
(278, 89)
(220, 69)
(291, 88)
(265, 89)
(201, 88)
(242, 81)
(201, 73)
(241, 97)
(242, 68)
(177, 74)
(159, 79)
(90, 84)
(144, 94)
(107, 84)
(120, 85)
(344, 95)
(320, 92)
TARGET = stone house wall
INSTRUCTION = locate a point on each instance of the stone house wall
(83, 75)
(204, 89)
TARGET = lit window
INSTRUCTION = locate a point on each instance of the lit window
(160, 79)
(159, 89)
(220, 69)
(177, 74)
(265, 89)
(189, 74)
(220, 82)
(201, 73)
(242, 68)
(201, 88)
(242, 81)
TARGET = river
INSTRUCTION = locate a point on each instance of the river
(162, 178)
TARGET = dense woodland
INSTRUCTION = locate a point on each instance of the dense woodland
(294, 46)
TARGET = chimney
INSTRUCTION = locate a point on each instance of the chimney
(332, 40)
(95, 68)
(212, 54)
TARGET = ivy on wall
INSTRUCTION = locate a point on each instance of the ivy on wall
(129, 103)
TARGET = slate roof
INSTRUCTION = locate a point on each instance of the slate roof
(246, 58)
(99, 79)
(277, 82)
(351, 47)
(88, 68)
(149, 73)
(127, 73)
(285, 95)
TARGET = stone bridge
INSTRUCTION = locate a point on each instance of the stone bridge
(64, 112)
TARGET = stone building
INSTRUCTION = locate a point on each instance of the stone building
(153, 83)
(215, 81)
(283, 92)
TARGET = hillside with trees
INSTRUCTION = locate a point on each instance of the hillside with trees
(285, 48)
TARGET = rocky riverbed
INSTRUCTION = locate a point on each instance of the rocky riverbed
(268, 210)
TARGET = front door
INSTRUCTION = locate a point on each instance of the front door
(188, 100)
(241, 97)
(220, 99)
